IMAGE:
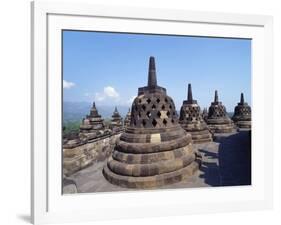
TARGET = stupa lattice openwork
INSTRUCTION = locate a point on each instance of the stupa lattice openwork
(218, 119)
(154, 150)
(242, 114)
(192, 121)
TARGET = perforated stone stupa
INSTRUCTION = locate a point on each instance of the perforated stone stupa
(154, 150)
(127, 119)
(92, 126)
(192, 121)
(242, 114)
(218, 120)
(116, 123)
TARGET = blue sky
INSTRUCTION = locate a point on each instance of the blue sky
(109, 67)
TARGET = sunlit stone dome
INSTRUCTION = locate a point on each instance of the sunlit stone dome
(218, 120)
(92, 126)
(116, 123)
(154, 150)
(242, 114)
(127, 119)
(192, 121)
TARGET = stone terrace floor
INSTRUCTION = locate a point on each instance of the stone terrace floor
(225, 162)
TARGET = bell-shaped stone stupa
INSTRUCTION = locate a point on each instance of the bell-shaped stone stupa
(192, 121)
(127, 119)
(154, 150)
(218, 120)
(242, 114)
(92, 126)
(116, 123)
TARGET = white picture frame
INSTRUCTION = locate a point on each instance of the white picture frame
(48, 205)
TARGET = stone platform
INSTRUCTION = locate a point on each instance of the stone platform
(225, 162)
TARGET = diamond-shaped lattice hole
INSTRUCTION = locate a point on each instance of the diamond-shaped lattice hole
(148, 100)
(166, 100)
(165, 122)
(174, 113)
(154, 122)
(153, 106)
(163, 107)
(172, 120)
(158, 100)
(170, 106)
(159, 114)
(148, 114)
(139, 100)
(139, 114)
(168, 113)
(143, 107)
(143, 123)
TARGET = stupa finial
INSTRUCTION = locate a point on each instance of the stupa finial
(152, 80)
(94, 105)
(242, 98)
(189, 94)
(216, 96)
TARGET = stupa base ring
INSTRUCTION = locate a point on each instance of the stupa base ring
(222, 128)
(151, 157)
(244, 124)
(149, 182)
(201, 136)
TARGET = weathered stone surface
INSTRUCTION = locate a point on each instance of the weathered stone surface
(242, 114)
(191, 120)
(154, 150)
(127, 120)
(93, 143)
(81, 156)
(226, 162)
(92, 126)
(218, 121)
(116, 123)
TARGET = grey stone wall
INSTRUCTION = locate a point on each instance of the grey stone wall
(77, 158)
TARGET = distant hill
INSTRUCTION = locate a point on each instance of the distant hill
(75, 111)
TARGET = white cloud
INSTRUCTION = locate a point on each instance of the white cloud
(99, 97)
(108, 93)
(130, 101)
(68, 84)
